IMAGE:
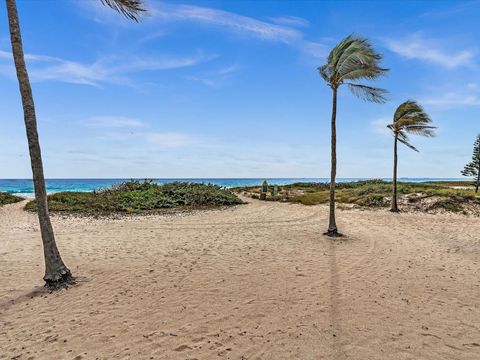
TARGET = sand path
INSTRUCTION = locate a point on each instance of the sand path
(257, 281)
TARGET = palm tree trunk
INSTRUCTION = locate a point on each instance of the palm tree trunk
(395, 162)
(56, 273)
(332, 225)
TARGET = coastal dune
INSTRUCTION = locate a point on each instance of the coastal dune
(256, 281)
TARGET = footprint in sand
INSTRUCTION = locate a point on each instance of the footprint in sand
(183, 348)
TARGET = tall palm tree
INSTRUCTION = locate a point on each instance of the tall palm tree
(353, 59)
(409, 118)
(56, 273)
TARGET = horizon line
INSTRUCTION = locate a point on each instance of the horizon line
(231, 178)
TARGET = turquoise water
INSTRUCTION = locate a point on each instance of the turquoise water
(24, 187)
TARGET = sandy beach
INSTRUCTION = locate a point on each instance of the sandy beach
(255, 281)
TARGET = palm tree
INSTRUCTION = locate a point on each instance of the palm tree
(56, 273)
(409, 118)
(353, 59)
(473, 167)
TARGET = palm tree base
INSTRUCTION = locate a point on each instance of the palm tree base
(333, 233)
(394, 210)
(62, 279)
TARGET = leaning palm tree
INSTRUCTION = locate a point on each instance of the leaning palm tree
(56, 273)
(409, 118)
(353, 59)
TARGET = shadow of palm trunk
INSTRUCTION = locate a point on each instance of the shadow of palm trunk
(334, 308)
(24, 297)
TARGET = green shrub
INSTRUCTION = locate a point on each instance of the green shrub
(315, 198)
(448, 204)
(373, 200)
(6, 198)
(139, 197)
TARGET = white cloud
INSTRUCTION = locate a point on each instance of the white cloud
(114, 122)
(314, 49)
(290, 21)
(104, 70)
(231, 21)
(460, 6)
(5, 54)
(203, 80)
(453, 99)
(421, 48)
(214, 79)
(227, 70)
(280, 29)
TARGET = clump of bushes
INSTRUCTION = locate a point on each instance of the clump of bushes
(311, 198)
(448, 204)
(373, 200)
(140, 197)
(6, 198)
(428, 197)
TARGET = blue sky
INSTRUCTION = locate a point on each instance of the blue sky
(230, 89)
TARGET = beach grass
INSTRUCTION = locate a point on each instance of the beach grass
(6, 198)
(137, 197)
(428, 197)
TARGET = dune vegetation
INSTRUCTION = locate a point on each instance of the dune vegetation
(139, 197)
(6, 198)
(425, 197)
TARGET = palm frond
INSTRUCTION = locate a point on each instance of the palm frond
(325, 72)
(339, 49)
(402, 135)
(410, 109)
(353, 58)
(132, 9)
(359, 61)
(413, 120)
(356, 71)
(406, 143)
(368, 93)
(421, 130)
(410, 118)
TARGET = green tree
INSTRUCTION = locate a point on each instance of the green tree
(56, 272)
(353, 59)
(473, 167)
(409, 118)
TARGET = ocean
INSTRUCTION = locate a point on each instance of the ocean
(24, 187)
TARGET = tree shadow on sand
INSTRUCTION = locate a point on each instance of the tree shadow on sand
(37, 291)
(334, 312)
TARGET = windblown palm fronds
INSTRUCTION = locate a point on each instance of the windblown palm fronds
(410, 118)
(130, 8)
(354, 59)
